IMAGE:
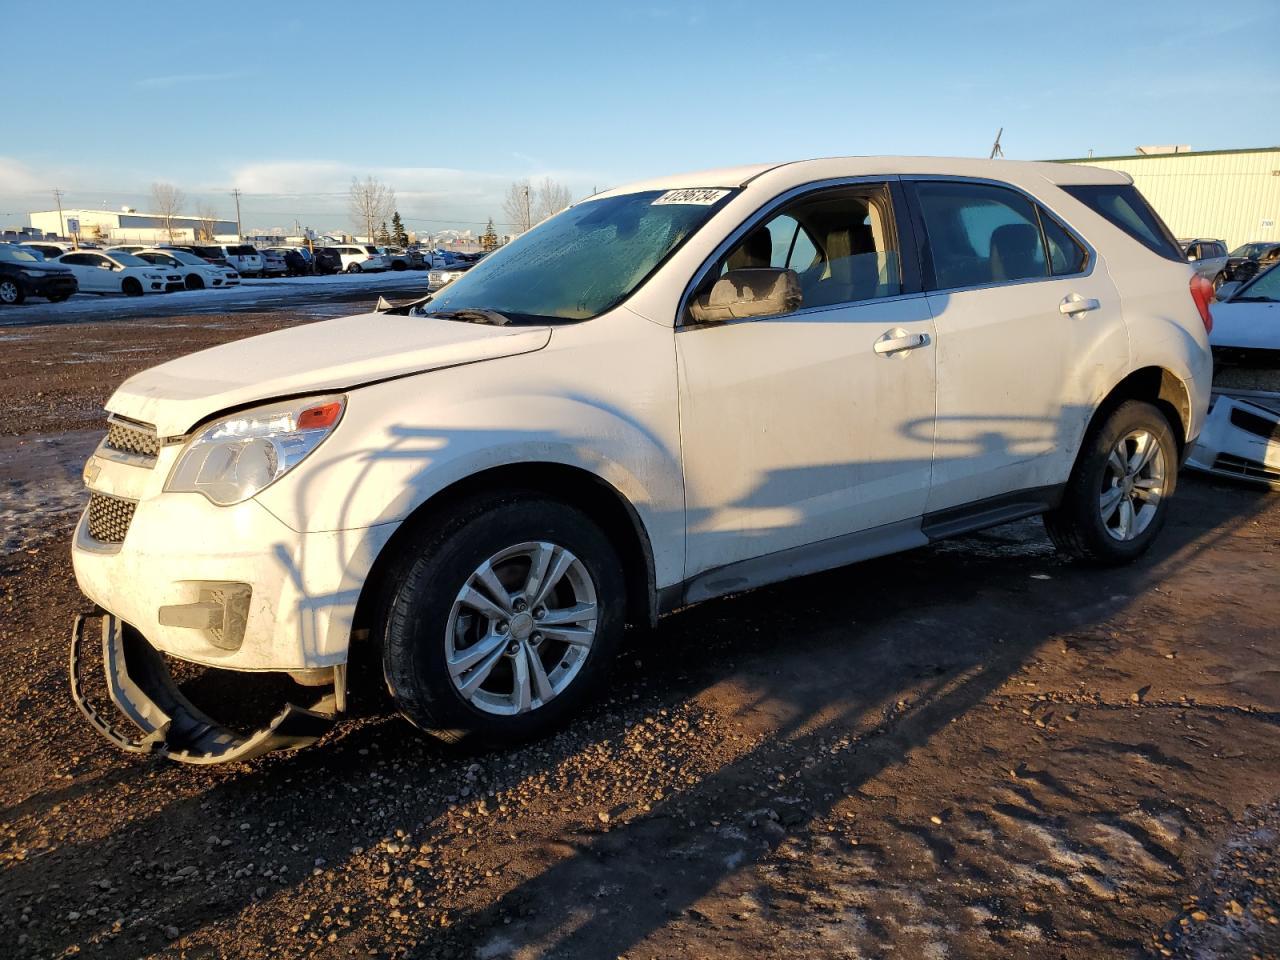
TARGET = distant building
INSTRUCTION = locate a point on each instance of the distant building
(1231, 195)
(127, 226)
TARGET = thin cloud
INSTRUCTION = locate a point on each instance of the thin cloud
(180, 79)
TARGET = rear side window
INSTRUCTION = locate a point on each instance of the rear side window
(1126, 208)
(980, 234)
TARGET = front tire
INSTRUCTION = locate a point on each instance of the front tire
(502, 620)
(11, 294)
(131, 287)
(195, 281)
(1117, 498)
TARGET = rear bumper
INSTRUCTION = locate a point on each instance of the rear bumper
(171, 726)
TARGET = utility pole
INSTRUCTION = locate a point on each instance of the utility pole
(996, 150)
(62, 224)
(235, 192)
(528, 211)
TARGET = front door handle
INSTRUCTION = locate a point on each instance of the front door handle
(898, 341)
(1075, 303)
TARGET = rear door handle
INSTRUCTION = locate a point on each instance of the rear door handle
(1077, 304)
(898, 341)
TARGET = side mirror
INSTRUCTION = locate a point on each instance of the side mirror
(749, 292)
(1227, 290)
(1191, 258)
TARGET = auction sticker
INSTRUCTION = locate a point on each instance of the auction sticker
(699, 196)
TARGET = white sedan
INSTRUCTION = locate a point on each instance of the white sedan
(100, 271)
(1248, 317)
(198, 272)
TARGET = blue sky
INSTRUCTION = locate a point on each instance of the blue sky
(449, 102)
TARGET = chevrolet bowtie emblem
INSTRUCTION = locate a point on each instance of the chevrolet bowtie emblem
(91, 471)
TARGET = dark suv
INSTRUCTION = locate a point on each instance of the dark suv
(1248, 260)
(25, 273)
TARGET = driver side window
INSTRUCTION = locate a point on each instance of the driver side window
(832, 247)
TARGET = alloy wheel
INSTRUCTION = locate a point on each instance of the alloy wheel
(521, 628)
(8, 292)
(1133, 484)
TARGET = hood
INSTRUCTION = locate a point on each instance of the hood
(314, 358)
(45, 266)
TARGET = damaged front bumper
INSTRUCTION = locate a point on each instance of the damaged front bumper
(1241, 438)
(143, 690)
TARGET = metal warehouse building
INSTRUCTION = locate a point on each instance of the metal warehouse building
(126, 226)
(1231, 195)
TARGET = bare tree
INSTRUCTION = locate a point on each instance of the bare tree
(517, 206)
(372, 201)
(551, 198)
(168, 201)
(208, 222)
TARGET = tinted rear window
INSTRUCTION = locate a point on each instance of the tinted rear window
(242, 251)
(1125, 207)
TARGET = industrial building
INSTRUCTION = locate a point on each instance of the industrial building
(128, 226)
(1231, 195)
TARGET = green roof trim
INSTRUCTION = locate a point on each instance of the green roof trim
(1166, 156)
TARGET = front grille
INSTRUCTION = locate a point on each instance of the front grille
(1244, 467)
(128, 438)
(109, 517)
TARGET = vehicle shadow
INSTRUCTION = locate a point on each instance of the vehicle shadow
(847, 663)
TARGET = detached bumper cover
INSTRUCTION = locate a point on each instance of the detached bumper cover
(143, 690)
(1241, 438)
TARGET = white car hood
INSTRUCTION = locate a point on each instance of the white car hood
(1246, 325)
(313, 358)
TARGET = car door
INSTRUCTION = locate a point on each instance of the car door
(90, 275)
(1028, 341)
(803, 428)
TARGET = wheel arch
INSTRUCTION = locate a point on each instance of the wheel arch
(1155, 385)
(596, 497)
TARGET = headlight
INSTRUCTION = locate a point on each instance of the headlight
(235, 458)
(154, 276)
(37, 274)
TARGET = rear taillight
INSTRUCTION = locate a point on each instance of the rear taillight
(1202, 294)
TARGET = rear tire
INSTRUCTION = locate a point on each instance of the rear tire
(354, 268)
(1218, 281)
(10, 293)
(1117, 498)
(537, 654)
(131, 287)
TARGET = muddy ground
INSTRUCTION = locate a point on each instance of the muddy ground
(971, 750)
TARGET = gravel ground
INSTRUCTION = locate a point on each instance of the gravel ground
(971, 750)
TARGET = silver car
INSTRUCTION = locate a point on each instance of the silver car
(1209, 257)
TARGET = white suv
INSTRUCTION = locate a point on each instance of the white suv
(670, 391)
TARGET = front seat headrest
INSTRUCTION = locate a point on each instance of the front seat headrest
(1016, 253)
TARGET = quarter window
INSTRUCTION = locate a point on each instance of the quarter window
(979, 234)
(1066, 256)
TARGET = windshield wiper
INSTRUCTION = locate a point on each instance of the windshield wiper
(1252, 300)
(470, 315)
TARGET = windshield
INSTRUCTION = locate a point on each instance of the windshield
(128, 259)
(17, 254)
(183, 257)
(583, 261)
(160, 259)
(1264, 287)
(1249, 250)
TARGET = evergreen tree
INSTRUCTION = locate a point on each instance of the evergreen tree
(489, 239)
(382, 236)
(398, 233)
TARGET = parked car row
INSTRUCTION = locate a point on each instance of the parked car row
(55, 269)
